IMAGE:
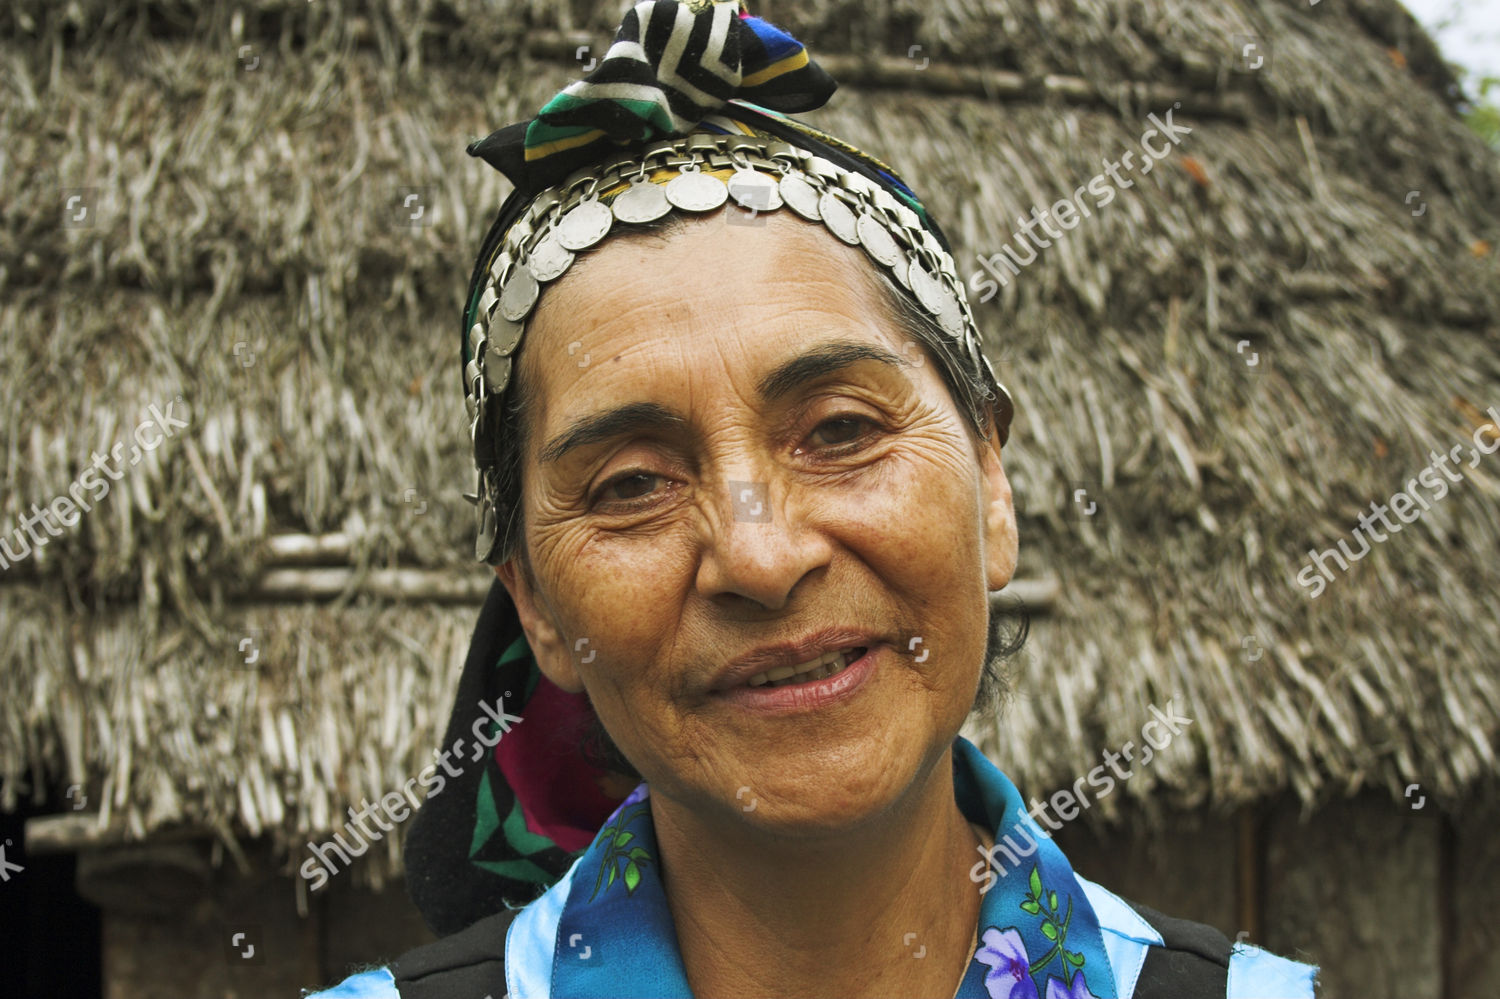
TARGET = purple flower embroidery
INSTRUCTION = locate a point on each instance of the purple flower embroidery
(639, 794)
(1078, 990)
(1009, 976)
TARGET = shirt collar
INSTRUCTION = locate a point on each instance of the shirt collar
(606, 929)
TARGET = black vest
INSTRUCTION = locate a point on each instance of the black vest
(1192, 963)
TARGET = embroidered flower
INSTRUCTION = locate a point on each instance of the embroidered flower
(1009, 976)
(1078, 990)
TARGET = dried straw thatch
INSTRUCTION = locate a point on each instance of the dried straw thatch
(245, 168)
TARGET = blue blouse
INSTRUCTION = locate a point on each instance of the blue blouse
(605, 927)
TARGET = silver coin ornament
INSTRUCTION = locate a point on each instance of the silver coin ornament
(696, 191)
(899, 272)
(584, 225)
(800, 196)
(549, 258)
(519, 294)
(485, 539)
(755, 190)
(497, 370)
(839, 218)
(877, 240)
(504, 335)
(926, 287)
(642, 201)
(951, 315)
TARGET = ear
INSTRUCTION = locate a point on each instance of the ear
(1001, 543)
(547, 643)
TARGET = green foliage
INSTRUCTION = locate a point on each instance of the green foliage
(1484, 117)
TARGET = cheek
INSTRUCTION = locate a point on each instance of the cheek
(913, 510)
(626, 598)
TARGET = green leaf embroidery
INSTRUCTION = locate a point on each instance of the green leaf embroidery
(1044, 904)
(615, 838)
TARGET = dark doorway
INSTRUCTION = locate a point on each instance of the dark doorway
(43, 919)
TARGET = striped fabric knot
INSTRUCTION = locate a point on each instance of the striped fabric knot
(671, 65)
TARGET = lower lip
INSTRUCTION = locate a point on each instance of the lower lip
(811, 696)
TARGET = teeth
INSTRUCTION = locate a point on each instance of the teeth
(820, 668)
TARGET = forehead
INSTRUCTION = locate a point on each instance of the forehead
(699, 300)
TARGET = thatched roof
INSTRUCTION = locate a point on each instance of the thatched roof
(259, 207)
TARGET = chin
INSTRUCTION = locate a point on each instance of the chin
(832, 788)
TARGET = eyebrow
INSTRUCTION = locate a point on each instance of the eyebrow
(819, 362)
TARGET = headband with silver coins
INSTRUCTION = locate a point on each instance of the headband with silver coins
(569, 218)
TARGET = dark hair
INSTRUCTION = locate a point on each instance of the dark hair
(1006, 632)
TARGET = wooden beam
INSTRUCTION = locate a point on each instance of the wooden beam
(448, 587)
(304, 567)
(74, 831)
(309, 549)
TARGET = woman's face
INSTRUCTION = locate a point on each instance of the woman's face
(732, 446)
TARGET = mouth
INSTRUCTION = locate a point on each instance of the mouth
(827, 665)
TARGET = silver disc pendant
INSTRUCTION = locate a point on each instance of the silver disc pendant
(485, 539)
(519, 294)
(696, 192)
(496, 372)
(926, 287)
(643, 201)
(504, 336)
(838, 217)
(755, 190)
(584, 225)
(951, 315)
(800, 196)
(877, 240)
(549, 258)
(899, 272)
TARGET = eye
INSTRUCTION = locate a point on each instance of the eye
(846, 434)
(631, 483)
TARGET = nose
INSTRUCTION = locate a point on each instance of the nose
(757, 547)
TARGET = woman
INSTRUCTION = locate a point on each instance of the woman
(744, 495)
